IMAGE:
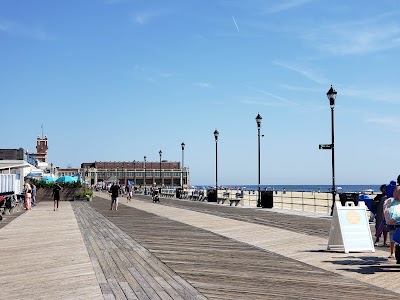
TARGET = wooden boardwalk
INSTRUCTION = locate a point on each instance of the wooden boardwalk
(43, 256)
(228, 268)
(181, 250)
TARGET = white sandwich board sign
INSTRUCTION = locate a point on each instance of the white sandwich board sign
(350, 228)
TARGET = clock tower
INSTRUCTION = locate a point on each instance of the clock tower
(41, 149)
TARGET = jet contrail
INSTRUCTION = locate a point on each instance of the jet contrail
(237, 27)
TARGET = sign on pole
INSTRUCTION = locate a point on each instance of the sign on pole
(325, 146)
(350, 228)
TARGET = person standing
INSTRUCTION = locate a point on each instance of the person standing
(33, 194)
(114, 190)
(28, 196)
(378, 203)
(56, 195)
(396, 196)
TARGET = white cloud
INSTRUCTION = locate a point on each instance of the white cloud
(286, 5)
(310, 74)
(152, 74)
(111, 2)
(299, 88)
(144, 18)
(357, 37)
(389, 123)
(377, 94)
(16, 29)
(204, 85)
(270, 95)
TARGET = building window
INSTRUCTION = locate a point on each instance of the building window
(167, 174)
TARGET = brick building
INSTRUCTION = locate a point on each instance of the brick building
(141, 173)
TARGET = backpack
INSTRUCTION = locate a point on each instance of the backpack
(391, 211)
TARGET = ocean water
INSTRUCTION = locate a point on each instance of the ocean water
(308, 188)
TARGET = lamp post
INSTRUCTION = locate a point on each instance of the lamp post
(134, 172)
(216, 133)
(183, 148)
(331, 94)
(258, 120)
(160, 152)
(144, 176)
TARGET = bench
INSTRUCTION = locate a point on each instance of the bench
(236, 201)
(221, 200)
(225, 196)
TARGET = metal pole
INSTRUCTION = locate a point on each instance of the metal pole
(182, 167)
(160, 170)
(333, 160)
(259, 191)
(216, 167)
(144, 175)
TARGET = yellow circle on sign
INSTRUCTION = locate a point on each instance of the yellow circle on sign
(353, 217)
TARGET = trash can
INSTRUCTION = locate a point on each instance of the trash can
(211, 195)
(178, 193)
(346, 197)
(267, 199)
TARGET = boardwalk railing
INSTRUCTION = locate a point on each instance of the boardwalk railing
(319, 202)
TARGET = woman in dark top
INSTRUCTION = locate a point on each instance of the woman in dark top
(56, 195)
(378, 202)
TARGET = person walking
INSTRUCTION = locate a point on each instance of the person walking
(114, 190)
(28, 196)
(56, 195)
(128, 192)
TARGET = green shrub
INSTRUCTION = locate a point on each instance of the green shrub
(85, 193)
(51, 185)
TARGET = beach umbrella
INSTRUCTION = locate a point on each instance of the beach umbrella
(48, 179)
(66, 179)
(34, 174)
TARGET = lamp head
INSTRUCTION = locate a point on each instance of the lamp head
(216, 133)
(331, 94)
(183, 146)
(258, 120)
(160, 152)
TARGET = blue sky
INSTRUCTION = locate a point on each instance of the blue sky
(114, 80)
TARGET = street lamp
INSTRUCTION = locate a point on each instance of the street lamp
(183, 148)
(160, 152)
(331, 94)
(258, 120)
(144, 176)
(216, 133)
